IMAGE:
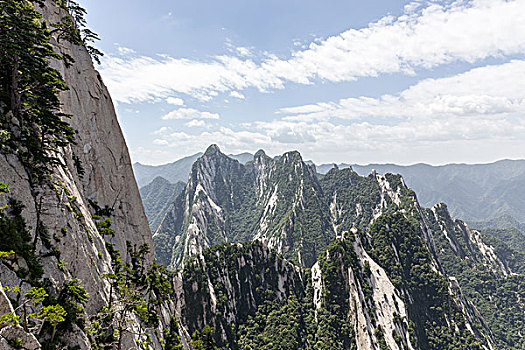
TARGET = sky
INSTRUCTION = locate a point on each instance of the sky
(340, 81)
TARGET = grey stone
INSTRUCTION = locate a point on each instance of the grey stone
(27, 340)
(5, 305)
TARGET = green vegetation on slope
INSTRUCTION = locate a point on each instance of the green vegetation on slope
(397, 245)
(31, 123)
(258, 300)
(499, 298)
(157, 197)
(15, 237)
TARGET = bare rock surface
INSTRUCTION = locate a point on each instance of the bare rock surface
(63, 204)
(26, 340)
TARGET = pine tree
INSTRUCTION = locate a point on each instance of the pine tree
(31, 122)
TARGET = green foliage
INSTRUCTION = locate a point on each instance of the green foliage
(512, 255)
(505, 228)
(7, 254)
(172, 340)
(52, 314)
(334, 328)
(102, 219)
(499, 298)
(135, 289)
(14, 237)
(72, 297)
(203, 340)
(55, 314)
(16, 343)
(10, 318)
(32, 120)
(34, 295)
(73, 28)
(276, 325)
(354, 194)
(104, 227)
(4, 188)
(396, 244)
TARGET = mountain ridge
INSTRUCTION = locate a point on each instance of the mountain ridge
(472, 191)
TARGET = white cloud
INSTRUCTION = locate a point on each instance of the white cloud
(162, 131)
(237, 94)
(425, 36)
(189, 113)
(175, 101)
(243, 51)
(231, 141)
(125, 51)
(196, 124)
(477, 115)
(485, 92)
(305, 109)
(160, 142)
(429, 140)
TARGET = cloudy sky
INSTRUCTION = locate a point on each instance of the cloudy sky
(340, 81)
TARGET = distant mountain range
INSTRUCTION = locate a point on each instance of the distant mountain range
(472, 192)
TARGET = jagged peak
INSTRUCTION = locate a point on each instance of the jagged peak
(440, 205)
(260, 154)
(292, 156)
(262, 158)
(213, 149)
(213, 153)
(343, 171)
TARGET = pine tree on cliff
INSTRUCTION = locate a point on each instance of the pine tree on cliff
(31, 122)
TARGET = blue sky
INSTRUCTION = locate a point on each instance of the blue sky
(340, 81)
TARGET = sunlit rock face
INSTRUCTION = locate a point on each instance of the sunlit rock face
(74, 248)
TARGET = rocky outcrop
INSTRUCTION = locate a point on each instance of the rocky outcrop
(14, 337)
(59, 212)
(101, 148)
(279, 201)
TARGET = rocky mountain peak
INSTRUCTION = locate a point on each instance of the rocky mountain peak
(159, 180)
(213, 159)
(291, 157)
(212, 150)
(260, 154)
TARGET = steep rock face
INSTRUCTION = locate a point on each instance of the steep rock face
(489, 272)
(227, 283)
(294, 218)
(462, 242)
(59, 212)
(354, 296)
(101, 148)
(279, 201)
(198, 217)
